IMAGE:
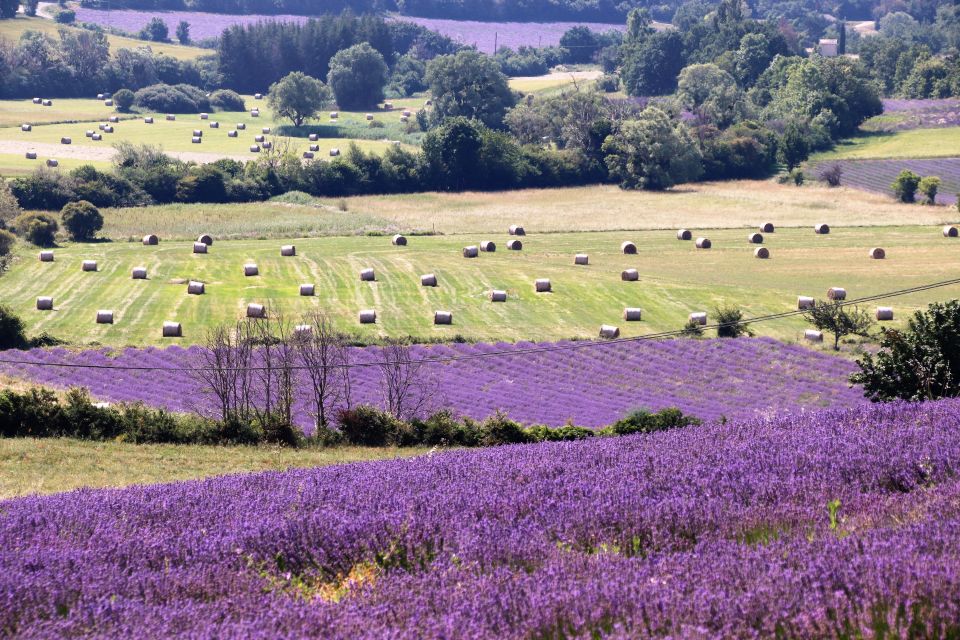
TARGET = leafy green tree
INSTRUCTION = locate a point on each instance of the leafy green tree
(651, 66)
(581, 43)
(752, 58)
(8, 9)
(123, 100)
(298, 97)
(11, 329)
(38, 228)
(9, 206)
(471, 85)
(712, 94)
(730, 323)
(920, 363)
(452, 152)
(929, 186)
(652, 152)
(639, 25)
(793, 148)
(82, 220)
(357, 76)
(156, 30)
(839, 320)
(30, 7)
(905, 185)
(183, 32)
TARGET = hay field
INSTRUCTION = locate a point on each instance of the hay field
(594, 208)
(915, 143)
(675, 280)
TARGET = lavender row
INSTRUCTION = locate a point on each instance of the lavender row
(878, 175)
(826, 524)
(589, 386)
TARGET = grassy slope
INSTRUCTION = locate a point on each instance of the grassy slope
(29, 466)
(676, 279)
(11, 29)
(916, 143)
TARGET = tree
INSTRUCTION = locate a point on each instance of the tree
(712, 94)
(831, 173)
(651, 66)
(837, 319)
(842, 38)
(30, 7)
(7, 240)
(793, 148)
(155, 30)
(325, 356)
(581, 43)
(920, 363)
(298, 97)
(471, 85)
(357, 76)
(11, 329)
(929, 186)
(38, 228)
(9, 206)
(123, 100)
(730, 323)
(8, 9)
(652, 152)
(452, 152)
(905, 186)
(183, 32)
(82, 220)
(407, 389)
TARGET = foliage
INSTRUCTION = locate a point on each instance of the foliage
(582, 44)
(183, 32)
(298, 97)
(729, 322)
(29, 7)
(227, 100)
(12, 334)
(919, 363)
(407, 76)
(368, 426)
(839, 320)
(470, 85)
(691, 329)
(831, 173)
(123, 100)
(711, 94)
(7, 240)
(82, 220)
(744, 150)
(63, 16)
(155, 30)
(793, 148)
(38, 228)
(652, 152)
(905, 185)
(180, 98)
(357, 77)
(651, 66)
(929, 186)
(642, 421)
(9, 205)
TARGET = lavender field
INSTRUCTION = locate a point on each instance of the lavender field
(916, 114)
(877, 175)
(831, 524)
(480, 34)
(592, 386)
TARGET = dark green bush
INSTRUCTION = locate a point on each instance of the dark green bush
(642, 421)
(499, 429)
(44, 189)
(123, 100)
(227, 100)
(65, 16)
(179, 98)
(11, 329)
(82, 220)
(7, 240)
(369, 426)
(38, 228)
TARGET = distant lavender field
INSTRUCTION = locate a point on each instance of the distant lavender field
(877, 175)
(481, 34)
(591, 386)
(901, 115)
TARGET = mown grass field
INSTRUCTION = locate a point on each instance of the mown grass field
(12, 29)
(915, 143)
(675, 280)
(50, 465)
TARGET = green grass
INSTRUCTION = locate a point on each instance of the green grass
(676, 279)
(915, 143)
(12, 29)
(31, 466)
(554, 82)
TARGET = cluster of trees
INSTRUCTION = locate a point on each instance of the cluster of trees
(906, 185)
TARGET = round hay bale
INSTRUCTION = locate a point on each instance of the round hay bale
(821, 229)
(195, 288)
(259, 138)
(265, 130)
(517, 230)
(258, 96)
(139, 273)
(148, 120)
(308, 290)
(108, 103)
(632, 314)
(254, 148)
(104, 316)
(44, 303)
(48, 103)
(233, 134)
(255, 310)
(37, 101)
(102, 127)
(26, 127)
(877, 253)
(89, 265)
(31, 155)
(334, 115)
(684, 234)
(367, 275)
(836, 293)
(172, 329)
(399, 240)
(767, 227)
(609, 331)
(66, 140)
(581, 258)
(288, 250)
(755, 238)
(334, 153)
(442, 317)
(369, 117)
(313, 137)
(812, 335)
(884, 313)
(89, 132)
(214, 125)
(368, 316)
(950, 232)
(268, 145)
(206, 239)
(314, 148)
(628, 248)
(387, 106)
(46, 256)
(761, 252)
(241, 126)
(471, 251)
(629, 275)
(107, 128)
(204, 116)
(699, 317)
(114, 119)
(250, 270)
(514, 245)
(171, 117)
(498, 295)
(704, 243)
(805, 302)
(428, 280)
(53, 162)
(407, 113)
(488, 246)
(255, 113)
(96, 137)
(196, 140)
(308, 155)
(542, 285)
(199, 247)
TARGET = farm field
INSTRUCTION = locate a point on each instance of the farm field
(900, 115)
(914, 143)
(51, 465)
(675, 279)
(878, 175)
(800, 522)
(11, 30)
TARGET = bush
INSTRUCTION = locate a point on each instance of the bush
(203, 184)
(123, 100)
(929, 187)
(44, 189)
(38, 228)
(357, 76)
(11, 330)
(797, 176)
(180, 98)
(831, 174)
(227, 100)
(642, 421)
(905, 186)
(729, 323)
(498, 429)
(368, 426)
(65, 16)
(608, 83)
(7, 240)
(156, 30)
(82, 220)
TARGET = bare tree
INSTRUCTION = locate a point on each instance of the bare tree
(224, 368)
(408, 389)
(275, 372)
(324, 356)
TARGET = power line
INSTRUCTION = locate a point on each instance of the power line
(585, 344)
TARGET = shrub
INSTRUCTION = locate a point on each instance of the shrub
(203, 184)
(65, 16)
(9, 207)
(642, 421)
(156, 30)
(608, 83)
(357, 76)
(368, 426)
(905, 186)
(498, 429)
(227, 100)
(11, 329)
(797, 176)
(729, 323)
(831, 174)
(123, 100)
(38, 228)
(442, 428)
(30, 7)
(43, 189)
(82, 220)
(180, 98)
(929, 187)
(692, 329)
(7, 240)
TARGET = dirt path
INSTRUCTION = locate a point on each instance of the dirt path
(97, 153)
